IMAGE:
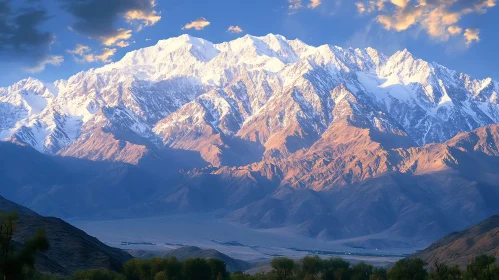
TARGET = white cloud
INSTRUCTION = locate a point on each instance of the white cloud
(295, 4)
(298, 4)
(55, 60)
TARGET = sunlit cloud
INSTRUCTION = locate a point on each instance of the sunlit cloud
(102, 25)
(198, 24)
(83, 54)
(314, 4)
(471, 35)
(455, 30)
(146, 17)
(122, 44)
(79, 50)
(235, 29)
(298, 4)
(121, 35)
(440, 19)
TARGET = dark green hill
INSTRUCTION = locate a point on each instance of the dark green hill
(187, 252)
(70, 250)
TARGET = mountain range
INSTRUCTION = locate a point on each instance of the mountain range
(327, 142)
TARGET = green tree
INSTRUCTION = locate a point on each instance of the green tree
(441, 271)
(283, 267)
(174, 269)
(379, 273)
(97, 274)
(482, 268)
(132, 269)
(311, 267)
(15, 261)
(137, 269)
(218, 269)
(197, 269)
(408, 269)
(161, 276)
(240, 276)
(336, 269)
(361, 271)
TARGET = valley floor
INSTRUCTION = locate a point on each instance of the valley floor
(170, 232)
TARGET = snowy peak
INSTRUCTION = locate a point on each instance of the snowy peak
(266, 90)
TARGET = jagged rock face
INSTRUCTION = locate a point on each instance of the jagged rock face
(334, 132)
(268, 94)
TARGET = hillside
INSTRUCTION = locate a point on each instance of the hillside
(461, 247)
(70, 248)
(184, 253)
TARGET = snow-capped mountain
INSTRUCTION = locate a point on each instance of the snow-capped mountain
(297, 136)
(188, 93)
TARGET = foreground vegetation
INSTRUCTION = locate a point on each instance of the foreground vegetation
(19, 264)
(308, 268)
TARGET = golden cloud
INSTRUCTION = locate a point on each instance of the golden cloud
(235, 29)
(471, 35)
(105, 56)
(79, 50)
(314, 4)
(101, 25)
(198, 24)
(83, 54)
(122, 44)
(454, 30)
(121, 35)
(439, 18)
(149, 18)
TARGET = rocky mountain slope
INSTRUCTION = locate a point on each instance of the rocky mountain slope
(461, 247)
(236, 101)
(417, 193)
(328, 142)
(70, 248)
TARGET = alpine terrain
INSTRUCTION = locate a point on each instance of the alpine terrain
(326, 142)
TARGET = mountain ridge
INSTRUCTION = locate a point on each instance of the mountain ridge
(216, 67)
(459, 248)
(70, 249)
(257, 124)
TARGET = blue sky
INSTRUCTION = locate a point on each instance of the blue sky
(54, 39)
